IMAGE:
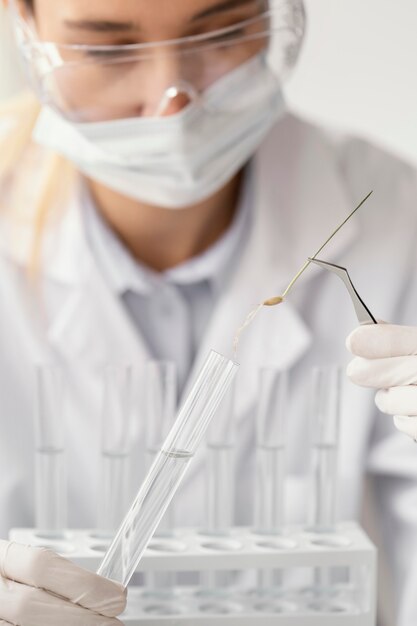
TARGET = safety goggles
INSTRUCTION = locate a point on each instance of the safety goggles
(153, 78)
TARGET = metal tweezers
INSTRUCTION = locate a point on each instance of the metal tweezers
(362, 312)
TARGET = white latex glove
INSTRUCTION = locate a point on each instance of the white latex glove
(386, 358)
(41, 588)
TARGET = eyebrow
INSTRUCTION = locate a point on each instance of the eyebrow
(220, 8)
(102, 26)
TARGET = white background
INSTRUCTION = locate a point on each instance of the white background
(358, 69)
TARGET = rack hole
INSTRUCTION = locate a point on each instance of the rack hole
(277, 544)
(222, 545)
(159, 545)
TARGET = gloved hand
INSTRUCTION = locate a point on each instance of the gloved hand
(41, 588)
(386, 358)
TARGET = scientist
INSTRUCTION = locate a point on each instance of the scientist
(153, 189)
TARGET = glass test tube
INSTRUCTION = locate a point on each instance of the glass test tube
(325, 420)
(270, 462)
(168, 469)
(270, 451)
(220, 484)
(50, 471)
(160, 401)
(116, 416)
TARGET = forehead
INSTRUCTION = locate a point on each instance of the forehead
(144, 13)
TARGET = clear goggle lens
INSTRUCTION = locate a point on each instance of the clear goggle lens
(102, 82)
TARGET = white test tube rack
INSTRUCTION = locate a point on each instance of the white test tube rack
(347, 547)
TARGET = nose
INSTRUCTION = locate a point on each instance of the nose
(162, 86)
(168, 88)
(176, 98)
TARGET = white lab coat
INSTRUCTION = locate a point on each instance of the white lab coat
(305, 182)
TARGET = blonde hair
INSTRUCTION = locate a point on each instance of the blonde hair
(53, 176)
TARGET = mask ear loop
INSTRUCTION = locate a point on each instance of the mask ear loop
(174, 91)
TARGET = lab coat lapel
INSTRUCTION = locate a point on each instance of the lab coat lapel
(93, 327)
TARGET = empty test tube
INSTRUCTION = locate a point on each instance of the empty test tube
(220, 479)
(160, 402)
(270, 463)
(220, 484)
(270, 451)
(116, 418)
(168, 469)
(50, 471)
(325, 420)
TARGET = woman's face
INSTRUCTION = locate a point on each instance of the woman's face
(94, 84)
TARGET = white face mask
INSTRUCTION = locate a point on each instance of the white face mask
(177, 160)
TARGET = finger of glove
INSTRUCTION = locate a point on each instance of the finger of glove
(407, 425)
(378, 341)
(383, 373)
(29, 606)
(397, 400)
(42, 568)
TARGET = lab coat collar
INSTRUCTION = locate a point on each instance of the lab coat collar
(94, 328)
(300, 188)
